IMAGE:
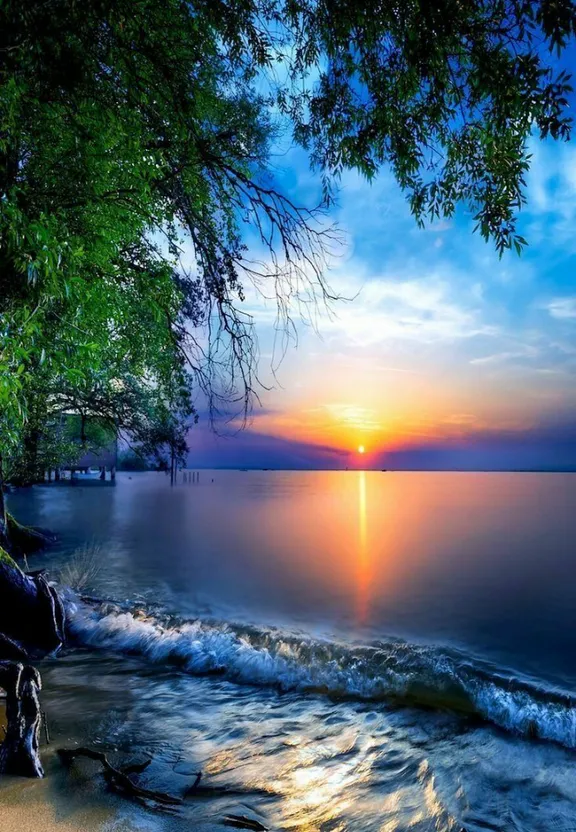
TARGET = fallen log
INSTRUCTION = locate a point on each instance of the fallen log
(19, 752)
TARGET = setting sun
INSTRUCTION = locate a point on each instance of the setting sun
(360, 449)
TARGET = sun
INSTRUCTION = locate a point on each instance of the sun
(361, 449)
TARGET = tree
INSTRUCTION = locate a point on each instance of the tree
(127, 122)
(447, 93)
(133, 132)
(123, 131)
(130, 122)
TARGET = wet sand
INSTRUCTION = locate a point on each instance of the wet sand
(82, 709)
(77, 800)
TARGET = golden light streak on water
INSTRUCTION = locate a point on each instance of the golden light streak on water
(364, 568)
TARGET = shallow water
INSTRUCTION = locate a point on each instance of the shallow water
(352, 650)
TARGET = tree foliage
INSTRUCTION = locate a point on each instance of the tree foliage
(134, 156)
(447, 93)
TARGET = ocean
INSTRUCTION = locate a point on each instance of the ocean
(333, 650)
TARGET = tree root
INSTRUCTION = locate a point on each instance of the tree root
(31, 612)
(19, 752)
(11, 651)
(6, 559)
(25, 540)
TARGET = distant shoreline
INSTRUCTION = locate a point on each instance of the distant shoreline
(248, 469)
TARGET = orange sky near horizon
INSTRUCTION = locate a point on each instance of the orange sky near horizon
(436, 339)
(383, 417)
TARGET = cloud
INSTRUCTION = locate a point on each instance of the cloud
(251, 449)
(432, 330)
(551, 195)
(562, 308)
(505, 357)
(468, 445)
(353, 416)
(414, 309)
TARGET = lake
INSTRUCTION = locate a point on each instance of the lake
(345, 650)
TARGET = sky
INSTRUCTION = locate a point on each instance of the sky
(443, 357)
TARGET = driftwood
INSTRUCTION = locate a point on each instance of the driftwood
(19, 750)
(242, 822)
(119, 778)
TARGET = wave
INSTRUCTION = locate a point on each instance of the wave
(393, 670)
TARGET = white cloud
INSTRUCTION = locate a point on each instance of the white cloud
(360, 418)
(551, 195)
(562, 308)
(506, 356)
(419, 309)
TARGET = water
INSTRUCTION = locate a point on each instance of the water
(350, 650)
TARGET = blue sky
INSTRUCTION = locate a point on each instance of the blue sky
(447, 357)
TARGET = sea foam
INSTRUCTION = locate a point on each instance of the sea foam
(392, 670)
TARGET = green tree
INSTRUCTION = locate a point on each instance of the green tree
(133, 132)
(124, 133)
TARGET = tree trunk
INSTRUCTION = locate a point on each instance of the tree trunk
(4, 544)
(32, 621)
(31, 473)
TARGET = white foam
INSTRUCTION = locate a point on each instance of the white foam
(394, 669)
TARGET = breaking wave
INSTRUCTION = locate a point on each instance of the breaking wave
(392, 670)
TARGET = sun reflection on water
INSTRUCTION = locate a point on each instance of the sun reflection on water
(319, 793)
(364, 568)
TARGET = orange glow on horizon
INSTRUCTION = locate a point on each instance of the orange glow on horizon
(364, 433)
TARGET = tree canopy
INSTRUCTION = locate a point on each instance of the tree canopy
(135, 138)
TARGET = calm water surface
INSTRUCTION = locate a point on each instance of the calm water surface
(350, 650)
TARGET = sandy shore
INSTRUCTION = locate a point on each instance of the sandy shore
(48, 805)
(77, 800)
